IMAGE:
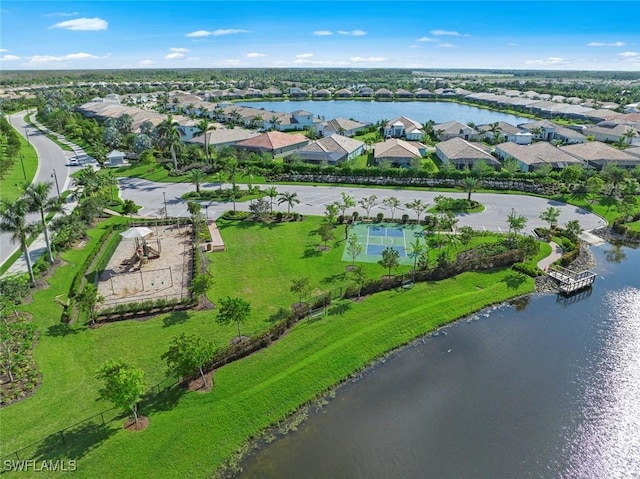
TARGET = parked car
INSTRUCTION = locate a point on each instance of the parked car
(74, 162)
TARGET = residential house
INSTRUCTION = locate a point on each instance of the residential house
(402, 93)
(341, 126)
(612, 132)
(331, 150)
(423, 93)
(455, 129)
(365, 91)
(343, 93)
(462, 153)
(383, 93)
(321, 93)
(278, 144)
(569, 136)
(532, 157)
(404, 127)
(505, 132)
(397, 152)
(541, 130)
(296, 92)
(598, 155)
(222, 136)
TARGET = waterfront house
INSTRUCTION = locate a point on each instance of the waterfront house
(341, 126)
(222, 136)
(404, 127)
(455, 129)
(504, 132)
(612, 131)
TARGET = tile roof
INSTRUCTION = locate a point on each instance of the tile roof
(459, 149)
(596, 152)
(537, 154)
(395, 148)
(274, 140)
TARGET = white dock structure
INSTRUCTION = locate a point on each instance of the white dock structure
(570, 281)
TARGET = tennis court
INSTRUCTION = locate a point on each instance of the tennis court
(375, 238)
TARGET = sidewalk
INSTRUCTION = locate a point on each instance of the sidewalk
(556, 254)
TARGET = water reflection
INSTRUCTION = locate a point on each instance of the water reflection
(607, 443)
(615, 254)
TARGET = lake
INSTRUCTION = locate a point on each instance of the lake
(543, 387)
(372, 111)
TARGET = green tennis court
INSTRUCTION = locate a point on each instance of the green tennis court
(374, 238)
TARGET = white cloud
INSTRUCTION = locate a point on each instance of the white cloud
(319, 63)
(355, 33)
(146, 63)
(82, 24)
(3, 50)
(323, 33)
(256, 55)
(426, 39)
(604, 44)
(449, 33)
(304, 55)
(179, 50)
(8, 58)
(231, 61)
(36, 59)
(198, 33)
(174, 56)
(629, 54)
(367, 59)
(216, 33)
(446, 45)
(512, 44)
(61, 14)
(549, 61)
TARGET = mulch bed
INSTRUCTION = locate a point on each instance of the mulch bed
(197, 385)
(132, 425)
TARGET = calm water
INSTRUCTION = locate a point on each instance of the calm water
(542, 389)
(372, 111)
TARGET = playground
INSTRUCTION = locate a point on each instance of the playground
(376, 237)
(148, 264)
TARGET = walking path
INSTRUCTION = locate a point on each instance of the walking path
(50, 158)
(556, 254)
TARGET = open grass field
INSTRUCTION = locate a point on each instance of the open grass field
(191, 434)
(15, 181)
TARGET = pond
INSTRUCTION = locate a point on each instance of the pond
(543, 387)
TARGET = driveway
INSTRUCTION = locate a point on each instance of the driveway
(314, 199)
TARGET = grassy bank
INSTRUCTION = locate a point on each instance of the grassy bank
(17, 178)
(192, 434)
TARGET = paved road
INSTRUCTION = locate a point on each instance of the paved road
(52, 165)
(314, 199)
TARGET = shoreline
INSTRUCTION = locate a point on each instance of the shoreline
(233, 465)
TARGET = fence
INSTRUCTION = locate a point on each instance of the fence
(73, 442)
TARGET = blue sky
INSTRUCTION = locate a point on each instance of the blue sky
(573, 35)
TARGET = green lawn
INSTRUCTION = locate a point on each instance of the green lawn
(192, 434)
(15, 181)
(635, 226)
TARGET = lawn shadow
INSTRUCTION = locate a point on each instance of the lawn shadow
(177, 317)
(339, 309)
(60, 330)
(514, 280)
(333, 278)
(164, 400)
(311, 252)
(73, 443)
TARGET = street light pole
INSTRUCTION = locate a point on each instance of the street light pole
(166, 213)
(54, 176)
(22, 163)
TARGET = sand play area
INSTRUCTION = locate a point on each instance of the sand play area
(155, 266)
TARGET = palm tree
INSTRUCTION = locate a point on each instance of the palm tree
(469, 184)
(272, 193)
(290, 199)
(416, 249)
(418, 206)
(203, 127)
(275, 121)
(13, 220)
(629, 135)
(39, 200)
(250, 171)
(196, 176)
(169, 137)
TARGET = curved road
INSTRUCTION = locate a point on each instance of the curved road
(314, 199)
(50, 158)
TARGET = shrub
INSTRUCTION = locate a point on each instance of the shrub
(527, 269)
(380, 217)
(279, 216)
(405, 218)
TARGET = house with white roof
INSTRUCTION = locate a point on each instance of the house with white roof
(532, 157)
(115, 158)
(403, 127)
(341, 126)
(455, 129)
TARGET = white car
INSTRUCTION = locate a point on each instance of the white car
(74, 162)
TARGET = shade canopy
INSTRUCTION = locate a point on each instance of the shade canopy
(136, 232)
